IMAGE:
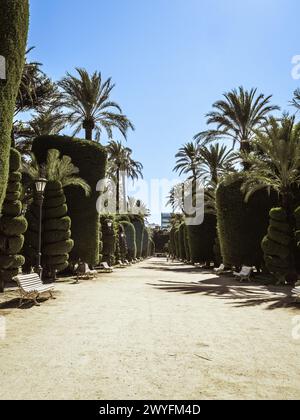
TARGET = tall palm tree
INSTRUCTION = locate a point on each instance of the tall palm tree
(88, 100)
(122, 165)
(276, 163)
(237, 116)
(188, 159)
(46, 122)
(57, 168)
(216, 161)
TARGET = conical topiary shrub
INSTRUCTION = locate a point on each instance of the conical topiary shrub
(122, 242)
(56, 225)
(277, 245)
(57, 242)
(129, 231)
(14, 19)
(12, 224)
(138, 224)
(109, 240)
(145, 243)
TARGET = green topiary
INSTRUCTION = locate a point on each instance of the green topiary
(129, 231)
(187, 244)
(202, 240)
(277, 245)
(138, 224)
(12, 227)
(56, 231)
(160, 238)
(14, 19)
(90, 158)
(181, 239)
(122, 242)
(145, 247)
(176, 241)
(109, 240)
(297, 237)
(241, 225)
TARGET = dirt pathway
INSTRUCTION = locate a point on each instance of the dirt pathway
(152, 331)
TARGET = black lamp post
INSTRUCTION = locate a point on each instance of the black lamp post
(40, 185)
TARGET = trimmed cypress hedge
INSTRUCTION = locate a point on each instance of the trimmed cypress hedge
(151, 247)
(145, 246)
(187, 244)
(181, 238)
(122, 242)
(129, 231)
(12, 224)
(161, 239)
(57, 243)
(14, 20)
(202, 240)
(277, 244)
(172, 246)
(176, 241)
(138, 224)
(90, 158)
(56, 231)
(109, 240)
(297, 237)
(241, 225)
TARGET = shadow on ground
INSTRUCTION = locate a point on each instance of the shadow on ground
(240, 295)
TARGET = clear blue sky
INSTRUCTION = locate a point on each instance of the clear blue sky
(170, 59)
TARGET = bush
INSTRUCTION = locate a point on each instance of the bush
(12, 227)
(187, 244)
(56, 231)
(90, 158)
(297, 236)
(138, 224)
(202, 240)
(160, 238)
(241, 225)
(130, 240)
(122, 242)
(146, 239)
(109, 240)
(277, 245)
(14, 19)
(181, 239)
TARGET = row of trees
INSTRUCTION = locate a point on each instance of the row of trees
(71, 226)
(252, 194)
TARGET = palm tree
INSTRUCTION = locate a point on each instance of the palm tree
(56, 168)
(36, 90)
(238, 116)
(275, 162)
(188, 159)
(88, 100)
(122, 165)
(216, 161)
(135, 206)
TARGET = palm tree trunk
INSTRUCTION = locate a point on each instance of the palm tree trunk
(118, 192)
(88, 133)
(245, 148)
(124, 190)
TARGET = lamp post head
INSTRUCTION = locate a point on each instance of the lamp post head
(40, 185)
(109, 224)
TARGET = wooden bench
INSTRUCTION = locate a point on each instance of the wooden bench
(31, 287)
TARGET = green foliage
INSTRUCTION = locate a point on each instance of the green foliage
(90, 159)
(14, 19)
(187, 244)
(129, 231)
(12, 226)
(56, 231)
(202, 239)
(109, 239)
(145, 246)
(241, 225)
(277, 245)
(297, 237)
(138, 224)
(160, 238)
(181, 239)
(122, 242)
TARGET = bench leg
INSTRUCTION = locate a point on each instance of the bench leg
(51, 295)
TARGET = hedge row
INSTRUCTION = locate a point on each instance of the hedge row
(12, 224)
(14, 20)
(90, 158)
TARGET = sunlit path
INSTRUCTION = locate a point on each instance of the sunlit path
(152, 331)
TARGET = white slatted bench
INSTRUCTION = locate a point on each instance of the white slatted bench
(31, 287)
(296, 293)
(244, 274)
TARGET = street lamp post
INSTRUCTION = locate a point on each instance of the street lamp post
(40, 186)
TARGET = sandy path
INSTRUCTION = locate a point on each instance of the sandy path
(152, 331)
